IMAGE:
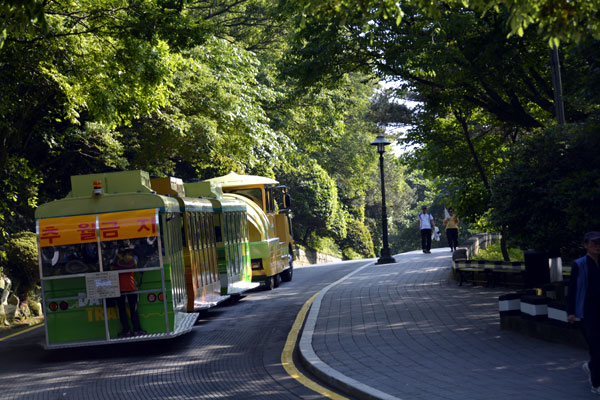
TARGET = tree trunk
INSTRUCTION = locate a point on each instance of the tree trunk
(478, 166)
(503, 246)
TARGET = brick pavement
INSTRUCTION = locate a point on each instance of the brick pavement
(407, 331)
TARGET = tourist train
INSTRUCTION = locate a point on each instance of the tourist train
(171, 248)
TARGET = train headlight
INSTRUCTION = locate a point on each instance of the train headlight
(151, 297)
(161, 297)
(53, 306)
(64, 305)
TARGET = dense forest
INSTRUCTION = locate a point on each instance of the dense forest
(297, 90)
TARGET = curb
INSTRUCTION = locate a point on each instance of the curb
(323, 371)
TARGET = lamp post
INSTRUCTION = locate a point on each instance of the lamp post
(386, 257)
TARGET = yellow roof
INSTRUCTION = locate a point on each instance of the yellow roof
(233, 179)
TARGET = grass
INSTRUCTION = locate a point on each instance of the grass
(493, 253)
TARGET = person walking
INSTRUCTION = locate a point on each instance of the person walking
(426, 224)
(451, 223)
(583, 303)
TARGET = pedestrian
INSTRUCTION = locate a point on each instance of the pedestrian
(426, 224)
(583, 303)
(451, 223)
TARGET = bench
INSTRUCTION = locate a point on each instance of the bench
(494, 270)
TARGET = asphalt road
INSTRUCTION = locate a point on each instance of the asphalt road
(233, 352)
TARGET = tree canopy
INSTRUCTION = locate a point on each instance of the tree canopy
(197, 89)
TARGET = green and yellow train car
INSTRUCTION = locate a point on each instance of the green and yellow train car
(112, 228)
(270, 230)
(203, 282)
(231, 237)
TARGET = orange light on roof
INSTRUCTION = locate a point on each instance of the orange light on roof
(98, 187)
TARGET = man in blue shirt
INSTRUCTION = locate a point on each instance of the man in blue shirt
(583, 302)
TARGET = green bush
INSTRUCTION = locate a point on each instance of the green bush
(324, 245)
(494, 253)
(22, 263)
(358, 242)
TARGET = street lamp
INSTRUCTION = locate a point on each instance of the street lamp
(385, 258)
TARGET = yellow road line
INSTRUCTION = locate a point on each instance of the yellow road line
(287, 360)
(20, 332)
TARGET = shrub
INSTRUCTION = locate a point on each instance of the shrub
(494, 253)
(358, 242)
(22, 263)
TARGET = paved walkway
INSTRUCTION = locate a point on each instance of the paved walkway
(407, 331)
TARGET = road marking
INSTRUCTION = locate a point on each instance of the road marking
(20, 332)
(288, 350)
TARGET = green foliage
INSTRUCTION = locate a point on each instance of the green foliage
(358, 242)
(556, 20)
(494, 253)
(324, 245)
(557, 199)
(17, 15)
(315, 202)
(2, 261)
(19, 193)
(216, 122)
(22, 263)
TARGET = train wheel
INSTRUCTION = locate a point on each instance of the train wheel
(287, 275)
(277, 279)
(270, 283)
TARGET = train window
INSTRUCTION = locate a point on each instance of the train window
(217, 224)
(213, 249)
(256, 195)
(195, 230)
(130, 253)
(227, 236)
(78, 244)
(202, 247)
(70, 259)
(177, 265)
(172, 245)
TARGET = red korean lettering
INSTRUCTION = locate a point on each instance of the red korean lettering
(49, 233)
(144, 227)
(87, 231)
(109, 230)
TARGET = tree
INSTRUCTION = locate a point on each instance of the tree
(216, 121)
(316, 205)
(459, 57)
(479, 87)
(556, 20)
(549, 207)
